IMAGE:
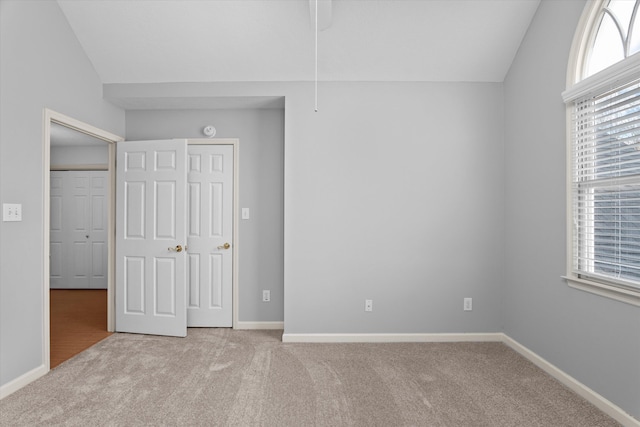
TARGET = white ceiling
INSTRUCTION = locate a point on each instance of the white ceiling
(147, 41)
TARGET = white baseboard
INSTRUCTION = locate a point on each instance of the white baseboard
(576, 386)
(22, 381)
(259, 325)
(383, 338)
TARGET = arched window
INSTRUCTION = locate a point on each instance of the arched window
(615, 37)
(603, 104)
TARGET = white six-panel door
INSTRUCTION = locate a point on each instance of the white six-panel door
(78, 230)
(150, 237)
(210, 235)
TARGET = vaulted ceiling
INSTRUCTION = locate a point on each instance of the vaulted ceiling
(134, 41)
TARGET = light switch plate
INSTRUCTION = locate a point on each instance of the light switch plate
(11, 212)
(245, 213)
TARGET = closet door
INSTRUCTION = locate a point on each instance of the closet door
(151, 237)
(210, 236)
(79, 229)
(97, 240)
(58, 275)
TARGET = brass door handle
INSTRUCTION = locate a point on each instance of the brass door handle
(225, 246)
(176, 249)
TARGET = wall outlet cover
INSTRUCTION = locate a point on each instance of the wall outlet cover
(11, 212)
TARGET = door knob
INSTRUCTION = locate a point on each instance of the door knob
(225, 246)
(176, 249)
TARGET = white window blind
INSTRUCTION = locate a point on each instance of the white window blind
(606, 185)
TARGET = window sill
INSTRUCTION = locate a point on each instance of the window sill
(607, 291)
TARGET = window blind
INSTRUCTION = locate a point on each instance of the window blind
(606, 185)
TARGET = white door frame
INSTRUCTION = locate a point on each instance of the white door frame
(50, 116)
(236, 200)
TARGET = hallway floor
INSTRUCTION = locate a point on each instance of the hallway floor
(78, 321)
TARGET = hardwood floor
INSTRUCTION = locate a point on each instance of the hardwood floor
(78, 321)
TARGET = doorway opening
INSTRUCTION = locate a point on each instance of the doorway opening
(54, 125)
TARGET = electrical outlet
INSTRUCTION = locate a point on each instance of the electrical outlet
(468, 304)
(11, 212)
(368, 305)
(266, 295)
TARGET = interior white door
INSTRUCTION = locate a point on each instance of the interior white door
(79, 229)
(98, 230)
(150, 237)
(210, 235)
(57, 239)
(78, 224)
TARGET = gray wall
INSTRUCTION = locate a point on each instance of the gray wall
(89, 155)
(261, 135)
(594, 339)
(41, 65)
(394, 192)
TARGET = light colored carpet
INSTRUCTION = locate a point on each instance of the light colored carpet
(250, 378)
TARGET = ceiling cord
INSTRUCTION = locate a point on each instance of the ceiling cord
(316, 63)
